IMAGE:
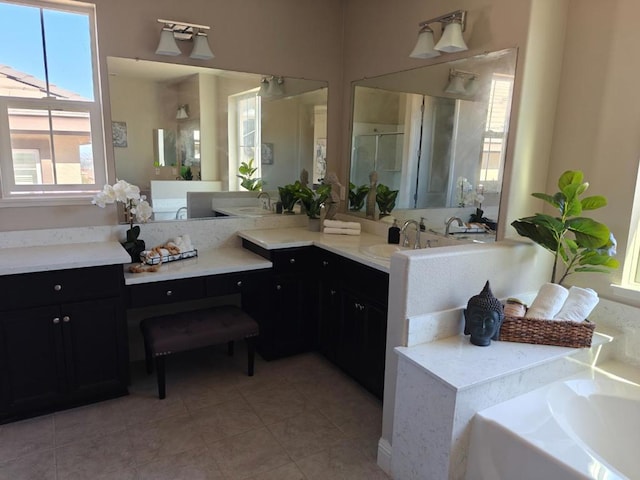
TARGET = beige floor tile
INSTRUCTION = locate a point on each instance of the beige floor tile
(106, 455)
(306, 434)
(196, 464)
(87, 422)
(143, 406)
(344, 461)
(34, 466)
(277, 404)
(197, 395)
(25, 437)
(287, 472)
(155, 440)
(252, 453)
(224, 420)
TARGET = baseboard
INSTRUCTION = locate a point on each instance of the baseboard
(384, 456)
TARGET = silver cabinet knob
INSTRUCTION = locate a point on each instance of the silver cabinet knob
(66, 319)
(57, 287)
(332, 292)
(292, 260)
(325, 263)
(56, 320)
(239, 283)
(278, 287)
(169, 293)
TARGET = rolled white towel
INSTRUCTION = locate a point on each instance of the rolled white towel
(341, 231)
(341, 224)
(578, 305)
(548, 302)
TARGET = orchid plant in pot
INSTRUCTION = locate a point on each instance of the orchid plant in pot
(578, 243)
(135, 206)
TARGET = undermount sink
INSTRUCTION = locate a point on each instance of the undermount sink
(382, 251)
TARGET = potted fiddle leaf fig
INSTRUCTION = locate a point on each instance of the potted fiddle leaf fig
(357, 196)
(289, 196)
(578, 243)
(246, 171)
(386, 199)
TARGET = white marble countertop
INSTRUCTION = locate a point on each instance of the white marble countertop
(208, 262)
(460, 364)
(348, 246)
(15, 260)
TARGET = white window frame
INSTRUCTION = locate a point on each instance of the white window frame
(235, 136)
(32, 195)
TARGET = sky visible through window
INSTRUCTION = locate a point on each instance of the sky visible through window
(67, 41)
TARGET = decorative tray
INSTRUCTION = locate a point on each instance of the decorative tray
(156, 260)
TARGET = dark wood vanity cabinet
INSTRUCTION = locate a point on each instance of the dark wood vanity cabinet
(62, 340)
(352, 322)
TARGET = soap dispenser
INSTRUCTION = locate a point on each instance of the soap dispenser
(423, 227)
(394, 233)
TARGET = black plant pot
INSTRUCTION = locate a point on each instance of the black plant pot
(134, 249)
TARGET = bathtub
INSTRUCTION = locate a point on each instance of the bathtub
(584, 427)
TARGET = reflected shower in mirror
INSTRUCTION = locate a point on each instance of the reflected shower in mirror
(439, 149)
(190, 129)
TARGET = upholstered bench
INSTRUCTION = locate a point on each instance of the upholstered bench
(184, 331)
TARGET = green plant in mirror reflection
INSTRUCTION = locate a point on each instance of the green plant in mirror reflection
(386, 199)
(246, 171)
(312, 201)
(289, 195)
(357, 196)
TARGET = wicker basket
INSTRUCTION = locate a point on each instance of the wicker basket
(547, 332)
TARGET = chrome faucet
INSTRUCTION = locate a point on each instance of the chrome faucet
(450, 221)
(403, 230)
(265, 206)
(181, 209)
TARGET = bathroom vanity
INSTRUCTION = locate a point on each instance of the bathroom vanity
(63, 335)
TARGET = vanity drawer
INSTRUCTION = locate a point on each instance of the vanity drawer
(292, 260)
(59, 286)
(230, 283)
(170, 291)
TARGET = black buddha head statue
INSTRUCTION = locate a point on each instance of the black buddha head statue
(483, 317)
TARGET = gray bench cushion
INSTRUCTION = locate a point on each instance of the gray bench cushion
(200, 328)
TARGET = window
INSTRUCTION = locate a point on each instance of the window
(244, 134)
(51, 135)
(494, 137)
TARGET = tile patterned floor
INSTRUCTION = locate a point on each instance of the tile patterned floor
(298, 418)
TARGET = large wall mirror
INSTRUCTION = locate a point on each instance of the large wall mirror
(180, 128)
(437, 134)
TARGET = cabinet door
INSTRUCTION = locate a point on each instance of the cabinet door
(95, 347)
(374, 338)
(330, 318)
(31, 359)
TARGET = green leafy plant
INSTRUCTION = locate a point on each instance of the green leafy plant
(357, 196)
(289, 195)
(311, 200)
(246, 171)
(386, 199)
(580, 243)
(185, 172)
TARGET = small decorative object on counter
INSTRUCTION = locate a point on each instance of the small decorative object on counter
(514, 308)
(423, 227)
(483, 317)
(333, 201)
(134, 205)
(394, 233)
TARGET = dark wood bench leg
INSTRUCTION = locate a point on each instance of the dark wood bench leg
(230, 348)
(161, 377)
(251, 347)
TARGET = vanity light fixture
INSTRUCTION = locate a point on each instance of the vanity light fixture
(272, 86)
(174, 30)
(462, 83)
(183, 112)
(453, 24)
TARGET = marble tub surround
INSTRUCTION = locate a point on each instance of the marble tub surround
(442, 384)
(434, 280)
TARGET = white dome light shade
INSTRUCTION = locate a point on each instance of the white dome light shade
(456, 86)
(167, 44)
(451, 40)
(201, 50)
(276, 87)
(424, 45)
